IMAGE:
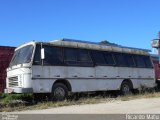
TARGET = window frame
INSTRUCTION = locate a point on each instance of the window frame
(149, 58)
(78, 62)
(138, 60)
(54, 47)
(40, 60)
(94, 61)
(116, 61)
(64, 49)
(113, 58)
(133, 60)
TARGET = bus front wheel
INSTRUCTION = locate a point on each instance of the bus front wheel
(125, 88)
(59, 92)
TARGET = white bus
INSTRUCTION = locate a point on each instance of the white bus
(69, 66)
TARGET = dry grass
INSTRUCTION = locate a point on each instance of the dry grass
(80, 101)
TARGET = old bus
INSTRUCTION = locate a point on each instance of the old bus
(70, 66)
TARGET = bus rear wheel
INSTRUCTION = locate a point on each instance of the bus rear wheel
(59, 92)
(126, 88)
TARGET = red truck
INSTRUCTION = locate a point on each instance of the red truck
(6, 54)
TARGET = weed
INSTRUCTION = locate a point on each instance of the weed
(18, 102)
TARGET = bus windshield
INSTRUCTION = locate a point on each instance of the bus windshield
(22, 55)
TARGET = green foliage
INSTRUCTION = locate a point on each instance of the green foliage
(3, 95)
(8, 98)
(107, 42)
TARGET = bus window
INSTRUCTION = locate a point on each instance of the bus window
(120, 60)
(70, 56)
(147, 61)
(22, 55)
(84, 58)
(139, 61)
(37, 55)
(98, 58)
(130, 61)
(53, 55)
(109, 58)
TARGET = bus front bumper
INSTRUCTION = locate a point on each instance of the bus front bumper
(18, 90)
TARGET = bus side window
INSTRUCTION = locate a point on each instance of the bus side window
(53, 55)
(98, 58)
(139, 61)
(37, 55)
(84, 58)
(70, 56)
(120, 60)
(147, 61)
(109, 58)
(130, 60)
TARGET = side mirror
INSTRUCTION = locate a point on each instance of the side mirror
(42, 53)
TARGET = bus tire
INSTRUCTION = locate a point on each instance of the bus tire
(59, 92)
(125, 88)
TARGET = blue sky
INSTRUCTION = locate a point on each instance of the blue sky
(131, 23)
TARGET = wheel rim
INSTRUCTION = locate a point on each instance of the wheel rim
(126, 89)
(59, 93)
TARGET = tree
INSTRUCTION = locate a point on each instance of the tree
(108, 43)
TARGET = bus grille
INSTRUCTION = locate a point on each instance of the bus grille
(13, 81)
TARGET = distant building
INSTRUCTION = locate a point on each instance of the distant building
(6, 53)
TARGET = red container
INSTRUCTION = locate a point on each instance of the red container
(155, 60)
(6, 54)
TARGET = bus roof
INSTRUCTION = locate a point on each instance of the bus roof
(98, 46)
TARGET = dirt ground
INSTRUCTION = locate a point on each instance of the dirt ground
(148, 106)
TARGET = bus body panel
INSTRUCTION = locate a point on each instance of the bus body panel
(90, 78)
(87, 85)
(91, 72)
(62, 72)
(42, 78)
(19, 80)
